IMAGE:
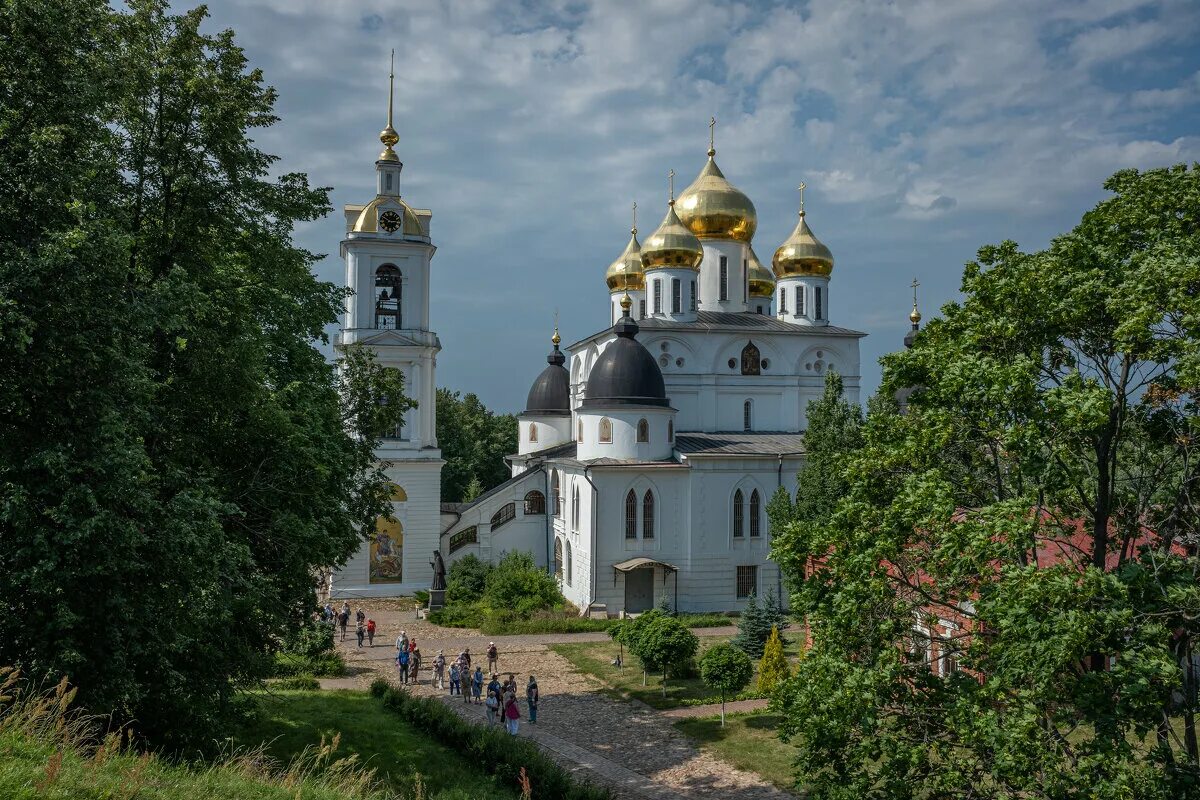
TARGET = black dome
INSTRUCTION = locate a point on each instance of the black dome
(551, 391)
(625, 373)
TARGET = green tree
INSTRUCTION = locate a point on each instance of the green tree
(466, 580)
(660, 642)
(773, 667)
(474, 442)
(1035, 491)
(519, 586)
(726, 668)
(757, 621)
(176, 457)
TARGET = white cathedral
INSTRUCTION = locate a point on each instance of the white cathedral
(648, 450)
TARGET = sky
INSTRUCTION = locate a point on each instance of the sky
(922, 129)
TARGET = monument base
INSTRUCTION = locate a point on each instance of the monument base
(437, 599)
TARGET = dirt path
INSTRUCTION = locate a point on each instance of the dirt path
(627, 746)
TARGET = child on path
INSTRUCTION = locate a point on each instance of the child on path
(493, 655)
(477, 684)
(512, 713)
(532, 697)
(414, 664)
(370, 633)
(454, 678)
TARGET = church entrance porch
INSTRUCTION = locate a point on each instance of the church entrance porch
(640, 581)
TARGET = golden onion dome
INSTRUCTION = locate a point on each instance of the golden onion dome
(712, 208)
(625, 274)
(672, 245)
(762, 280)
(802, 254)
(368, 218)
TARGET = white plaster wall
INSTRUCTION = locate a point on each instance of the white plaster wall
(526, 532)
(808, 286)
(624, 444)
(737, 255)
(661, 279)
(420, 518)
(551, 430)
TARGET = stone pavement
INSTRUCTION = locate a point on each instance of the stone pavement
(628, 746)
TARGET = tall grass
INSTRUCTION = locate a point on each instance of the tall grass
(50, 749)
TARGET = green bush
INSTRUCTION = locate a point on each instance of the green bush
(518, 585)
(500, 753)
(458, 616)
(311, 640)
(325, 665)
(301, 682)
(498, 624)
(379, 687)
(466, 580)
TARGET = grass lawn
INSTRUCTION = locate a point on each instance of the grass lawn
(595, 659)
(748, 742)
(288, 722)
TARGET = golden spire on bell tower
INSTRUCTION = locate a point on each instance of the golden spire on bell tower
(388, 135)
(915, 316)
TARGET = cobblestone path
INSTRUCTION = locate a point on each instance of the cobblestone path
(625, 745)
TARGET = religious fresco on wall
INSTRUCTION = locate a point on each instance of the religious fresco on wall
(387, 552)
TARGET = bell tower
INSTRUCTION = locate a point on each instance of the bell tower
(388, 253)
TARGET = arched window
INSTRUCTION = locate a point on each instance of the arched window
(556, 493)
(533, 431)
(748, 415)
(535, 503)
(670, 430)
(388, 294)
(755, 513)
(575, 507)
(739, 514)
(506, 514)
(631, 515)
(751, 359)
(570, 566)
(648, 515)
(605, 431)
(558, 559)
(579, 438)
(643, 432)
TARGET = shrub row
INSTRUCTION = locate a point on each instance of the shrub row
(322, 665)
(748, 694)
(297, 683)
(499, 753)
(500, 623)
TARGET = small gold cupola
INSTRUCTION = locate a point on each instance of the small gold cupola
(625, 274)
(672, 245)
(762, 280)
(802, 253)
(712, 207)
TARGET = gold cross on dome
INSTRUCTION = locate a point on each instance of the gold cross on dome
(671, 183)
(712, 125)
(914, 288)
(801, 189)
(635, 216)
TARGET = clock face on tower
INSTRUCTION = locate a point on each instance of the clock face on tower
(390, 221)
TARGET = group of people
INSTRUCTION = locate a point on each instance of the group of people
(364, 628)
(501, 698)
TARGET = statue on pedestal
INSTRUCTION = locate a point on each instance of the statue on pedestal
(439, 571)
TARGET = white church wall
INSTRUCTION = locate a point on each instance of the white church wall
(526, 532)
(622, 441)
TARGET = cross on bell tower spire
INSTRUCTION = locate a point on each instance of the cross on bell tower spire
(915, 316)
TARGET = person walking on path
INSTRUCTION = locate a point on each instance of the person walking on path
(531, 696)
(370, 633)
(439, 670)
(477, 684)
(414, 665)
(492, 655)
(360, 616)
(454, 678)
(402, 641)
(512, 713)
(343, 621)
(493, 700)
(360, 631)
(402, 659)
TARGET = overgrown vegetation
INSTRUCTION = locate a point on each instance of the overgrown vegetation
(310, 651)
(492, 747)
(177, 456)
(494, 598)
(286, 724)
(50, 750)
